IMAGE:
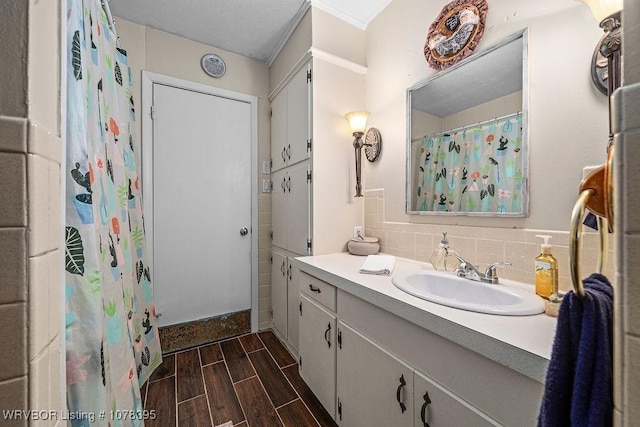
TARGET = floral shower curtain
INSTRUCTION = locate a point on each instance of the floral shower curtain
(477, 169)
(111, 329)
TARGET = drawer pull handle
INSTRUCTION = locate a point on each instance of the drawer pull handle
(282, 268)
(403, 383)
(289, 273)
(318, 290)
(423, 411)
(288, 151)
(326, 338)
(283, 153)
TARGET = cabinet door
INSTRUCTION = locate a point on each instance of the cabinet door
(374, 388)
(279, 292)
(298, 221)
(279, 209)
(298, 129)
(318, 352)
(293, 301)
(279, 131)
(436, 406)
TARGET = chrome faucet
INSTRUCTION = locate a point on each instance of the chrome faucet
(470, 271)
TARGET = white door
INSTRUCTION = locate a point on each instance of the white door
(201, 204)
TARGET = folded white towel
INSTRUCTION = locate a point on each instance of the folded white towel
(378, 264)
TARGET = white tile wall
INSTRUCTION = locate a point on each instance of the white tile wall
(479, 245)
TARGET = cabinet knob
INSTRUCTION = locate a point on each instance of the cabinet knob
(244, 231)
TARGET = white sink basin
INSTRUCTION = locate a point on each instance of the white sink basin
(446, 288)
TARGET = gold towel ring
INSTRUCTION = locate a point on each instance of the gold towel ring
(596, 193)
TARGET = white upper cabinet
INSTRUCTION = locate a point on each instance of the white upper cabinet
(290, 121)
(290, 212)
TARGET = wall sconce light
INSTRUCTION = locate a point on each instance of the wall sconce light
(357, 121)
(606, 63)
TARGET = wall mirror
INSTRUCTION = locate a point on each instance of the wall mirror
(467, 136)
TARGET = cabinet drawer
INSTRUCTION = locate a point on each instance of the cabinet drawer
(318, 290)
(436, 406)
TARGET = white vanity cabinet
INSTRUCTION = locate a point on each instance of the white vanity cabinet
(290, 121)
(388, 370)
(317, 349)
(374, 388)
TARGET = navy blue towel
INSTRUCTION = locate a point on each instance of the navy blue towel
(579, 384)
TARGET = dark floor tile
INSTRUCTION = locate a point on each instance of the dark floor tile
(256, 404)
(223, 401)
(251, 342)
(161, 398)
(309, 398)
(189, 375)
(166, 368)
(239, 366)
(194, 413)
(295, 414)
(274, 382)
(277, 350)
(210, 354)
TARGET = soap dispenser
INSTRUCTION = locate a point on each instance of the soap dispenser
(442, 258)
(546, 278)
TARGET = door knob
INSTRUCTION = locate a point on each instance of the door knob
(244, 231)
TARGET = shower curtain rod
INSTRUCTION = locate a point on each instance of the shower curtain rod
(111, 22)
(483, 122)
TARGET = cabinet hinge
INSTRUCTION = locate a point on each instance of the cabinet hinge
(309, 144)
(271, 259)
(300, 361)
(271, 313)
(271, 235)
(270, 112)
(152, 111)
(309, 245)
(300, 308)
(339, 409)
(339, 339)
(308, 176)
(308, 76)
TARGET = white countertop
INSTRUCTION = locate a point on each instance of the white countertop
(522, 343)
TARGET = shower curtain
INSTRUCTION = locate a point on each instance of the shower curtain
(474, 169)
(111, 330)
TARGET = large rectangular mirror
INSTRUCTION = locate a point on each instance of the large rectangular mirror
(467, 132)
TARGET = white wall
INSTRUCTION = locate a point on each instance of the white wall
(568, 125)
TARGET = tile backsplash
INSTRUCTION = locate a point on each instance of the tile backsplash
(481, 245)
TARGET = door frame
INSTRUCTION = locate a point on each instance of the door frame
(146, 166)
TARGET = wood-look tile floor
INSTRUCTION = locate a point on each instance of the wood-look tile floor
(250, 380)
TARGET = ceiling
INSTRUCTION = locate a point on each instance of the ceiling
(252, 28)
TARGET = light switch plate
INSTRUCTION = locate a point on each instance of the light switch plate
(266, 186)
(358, 229)
(266, 166)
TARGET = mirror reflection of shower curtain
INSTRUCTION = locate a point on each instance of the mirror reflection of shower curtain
(473, 169)
(111, 330)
